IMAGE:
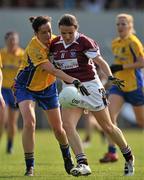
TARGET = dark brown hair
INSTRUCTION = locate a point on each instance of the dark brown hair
(68, 20)
(39, 21)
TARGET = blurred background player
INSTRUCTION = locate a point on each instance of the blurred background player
(11, 58)
(129, 59)
(2, 102)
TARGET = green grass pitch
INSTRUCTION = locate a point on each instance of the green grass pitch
(49, 164)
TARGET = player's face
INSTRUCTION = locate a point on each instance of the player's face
(44, 33)
(12, 41)
(67, 33)
(123, 27)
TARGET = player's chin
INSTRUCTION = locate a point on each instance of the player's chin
(68, 42)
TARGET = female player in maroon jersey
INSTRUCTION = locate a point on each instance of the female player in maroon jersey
(76, 54)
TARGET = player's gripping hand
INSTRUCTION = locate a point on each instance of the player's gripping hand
(116, 67)
(81, 87)
(115, 81)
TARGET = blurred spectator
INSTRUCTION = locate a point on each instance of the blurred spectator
(54, 3)
(80, 4)
(94, 5)
(73, 4)
(90, 5)
(139, 4)
(22, 3)
(113, 4)
(69, 4)
(5, 3)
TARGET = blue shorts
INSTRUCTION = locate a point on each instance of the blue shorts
(47, 98)
(135, 98)
(9, 98)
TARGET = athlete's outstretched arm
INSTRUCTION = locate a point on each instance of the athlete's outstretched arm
(103, 65)
(106, 69)
(50, 68)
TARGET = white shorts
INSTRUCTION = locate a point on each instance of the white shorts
(96, 101)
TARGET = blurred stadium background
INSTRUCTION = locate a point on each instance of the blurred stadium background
(96, 19)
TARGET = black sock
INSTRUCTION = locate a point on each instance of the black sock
(29, 160)
(65, 151)
(81, 159)
(127, 153)
(112, 149)
(9, 145)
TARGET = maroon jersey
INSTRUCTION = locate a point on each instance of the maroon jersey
(75, 59)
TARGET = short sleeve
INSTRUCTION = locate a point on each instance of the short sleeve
(91, 48)
(37, 55)
(137, 48)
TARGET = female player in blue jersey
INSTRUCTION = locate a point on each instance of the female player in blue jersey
(128, 63)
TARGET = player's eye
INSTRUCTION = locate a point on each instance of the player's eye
(123, 24)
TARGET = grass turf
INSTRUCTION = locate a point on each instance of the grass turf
(49, 164)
